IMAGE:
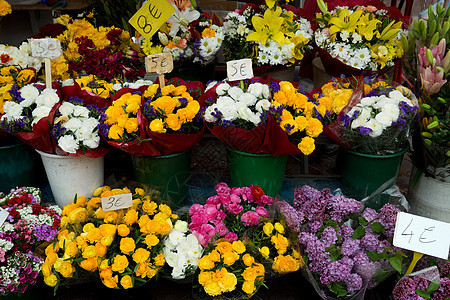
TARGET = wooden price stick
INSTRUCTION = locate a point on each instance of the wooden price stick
(48, 73)
(160, 64)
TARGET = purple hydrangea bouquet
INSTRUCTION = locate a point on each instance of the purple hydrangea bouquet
(343, 257)
(28, 225)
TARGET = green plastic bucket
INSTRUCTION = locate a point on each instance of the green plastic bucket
(16, 167)
(363, 174)
(263, 170)
(167, 173)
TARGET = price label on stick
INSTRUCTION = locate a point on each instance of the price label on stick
(3, 215)
(151, 16)
(422, 235)
(159, 63)
(45, 48)
(239, 69)
(117, 202)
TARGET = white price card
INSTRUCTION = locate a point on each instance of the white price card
(159, 63)
(422, 235)
(3, 215)
(239, 69)
(46, 48)
(117, 202)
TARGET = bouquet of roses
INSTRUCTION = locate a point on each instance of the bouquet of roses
(269, 34)
(124, 246)
(182, 251)
(342, 259)
(191, 35)
(358, 38)
(228, 269)
(29, 113)
(28, 225)
(377, 120)
(106, 52)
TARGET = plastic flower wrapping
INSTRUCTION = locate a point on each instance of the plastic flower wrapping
(378, 119)
(261, 116)
(154, 121)
(122, 247)
(106, 52)
(29, 113)
(269, 35)
(343, 258)
(428, 64)
(190, 34)
(28, 225)
(361, 37)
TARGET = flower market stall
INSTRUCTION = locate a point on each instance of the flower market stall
(160, 151)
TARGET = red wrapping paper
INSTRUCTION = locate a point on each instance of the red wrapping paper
(88, 97)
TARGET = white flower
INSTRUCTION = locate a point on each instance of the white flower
(181, 19)
(235, 92)
(222, 89)
(181, 226)
(262, 105)
(384, 119)
(68, 82)
(208, 114)
(176, 237)
(265, 91)
(12, 109)
(68, 143)
(170, 257)
(368, 101)
(243, 111)
(344, 35)
(73, 124)
(358, 122)
(116, 86)
(356, 38)
(48, 97)
(377, 128)
(248, 98)
(40, 112)
(92, 143)
(210, 85)
(66, 109)
(80, 111)
(341, 51)
(29, 92)
(391, 110)
(84, 133)
(398, 96)
(256, 89)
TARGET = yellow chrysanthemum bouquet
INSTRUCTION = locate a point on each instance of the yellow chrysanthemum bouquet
(121, 247)
(228, 269)
(359, 38)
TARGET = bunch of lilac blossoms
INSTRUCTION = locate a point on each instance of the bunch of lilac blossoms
(342, 259)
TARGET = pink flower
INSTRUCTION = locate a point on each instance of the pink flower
(195, 208)
(207, 231)
(225, 199)
(222, 188)
(250, 218)
(266, 200)
(262, 211)
(235, 199)
(234, 208)
(210, 211)
(231, 237)
(213, 200)
(199, 219)
(432, 80)
(200, 238)
(221, 229)
(2, 255)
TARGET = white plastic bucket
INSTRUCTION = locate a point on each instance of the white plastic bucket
(69, 176)
(429, 198)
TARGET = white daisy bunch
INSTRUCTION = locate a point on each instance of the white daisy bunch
(20, 57)
(76, 126)
(210, 43)
(27, 106)
(182, 250)
(245, 105)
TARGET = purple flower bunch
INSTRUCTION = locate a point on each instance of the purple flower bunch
(229, 213)
(425, 284)
(341, 257)
(27, 226)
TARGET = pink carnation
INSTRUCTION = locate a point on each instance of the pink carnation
(210, 211)
(235, 198)
(266, 200)
(235, 208)
(221, 229)
(262, 211)
(231, 237)
(195, 208)
(222, 188)
(250, 218)
(213, 200)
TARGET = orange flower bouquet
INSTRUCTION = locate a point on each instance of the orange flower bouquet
(121, 247)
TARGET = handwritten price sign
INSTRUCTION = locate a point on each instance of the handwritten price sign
(422, 235)
(159, 63)
(239, 69)
(3, 215)
(151, 16)
(117, 202)
(46, 48)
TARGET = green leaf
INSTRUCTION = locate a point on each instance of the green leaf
(378, 228)
(363, 221)
(424, 294)
(433, 286)
(335, 253)
(396, 263)
(135, 268)
(375, 256)
(339, 288)
(359, 232)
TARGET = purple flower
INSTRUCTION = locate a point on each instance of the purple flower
(328, 236)
(364, 130)
(353, 282)
(405, 289)
(370, 242)
(350, 247)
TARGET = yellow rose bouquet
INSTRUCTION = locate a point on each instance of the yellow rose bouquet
(121, 247)
(229, 270)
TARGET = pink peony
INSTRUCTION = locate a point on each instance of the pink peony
(234, 208)
(235, 199)
(213, 200)
(231, 237)
(250, 218)
(210, 211)
(225, 199)
(262, 211)
(199, 219)
(195, 208)
(207, 230)
(222, 188)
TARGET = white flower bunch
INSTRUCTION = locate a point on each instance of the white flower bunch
(30, 106)
(235, 104)
(132, 85)
(182, 250)
(76, 128)
(21, 56)
(209, 45)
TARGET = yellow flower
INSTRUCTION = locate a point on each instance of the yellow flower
(212, 288)
(285, 264)
(167, 89)
(248, 259)
(151, 240)
(224, 247)
(228, 282)
(127, 245)
(368, 27)
(46, 269)
(149, 207)
(204, 277)
(25, 76)
(122, 120)
(314, 127)
(248, 287)
(380, 54)
(126, 282)
(132, 125)
(192, 109)
(249, 274)
(268, 28)
(141, 255)
(100, 249)
(278, 227)
(70, 249)
(214, 256)
(238, 247)
(142, 270)
(51, 280)
(57, 265)
(120, 263)
(5, 8)
(107, 240)
(110, 281)
(159, 260)
(67, 269)
(131, 216)
(115, 132)
(151, 272)
(390, 31)
(205, 263)
(179, 90)
(268, 228)
(229, 258)
(89, 264)
(94, 235)
(307, 145)
(164, 208)
(264, 251)
(157, 125)
(110, 216)
(173, 122)
(344, 22)
(78, 215)
(89, 251)
(107, 229)
(151, 91)
(123, 230)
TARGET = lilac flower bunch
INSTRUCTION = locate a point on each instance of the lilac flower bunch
(28, 225)
(343, 258)
(430, 283)
(381, 122)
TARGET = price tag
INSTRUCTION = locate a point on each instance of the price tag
(151, 16)
(159, 63)
(46, 48)
(3, 215)
(422, 235)
(239, 69)
(117, 202)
